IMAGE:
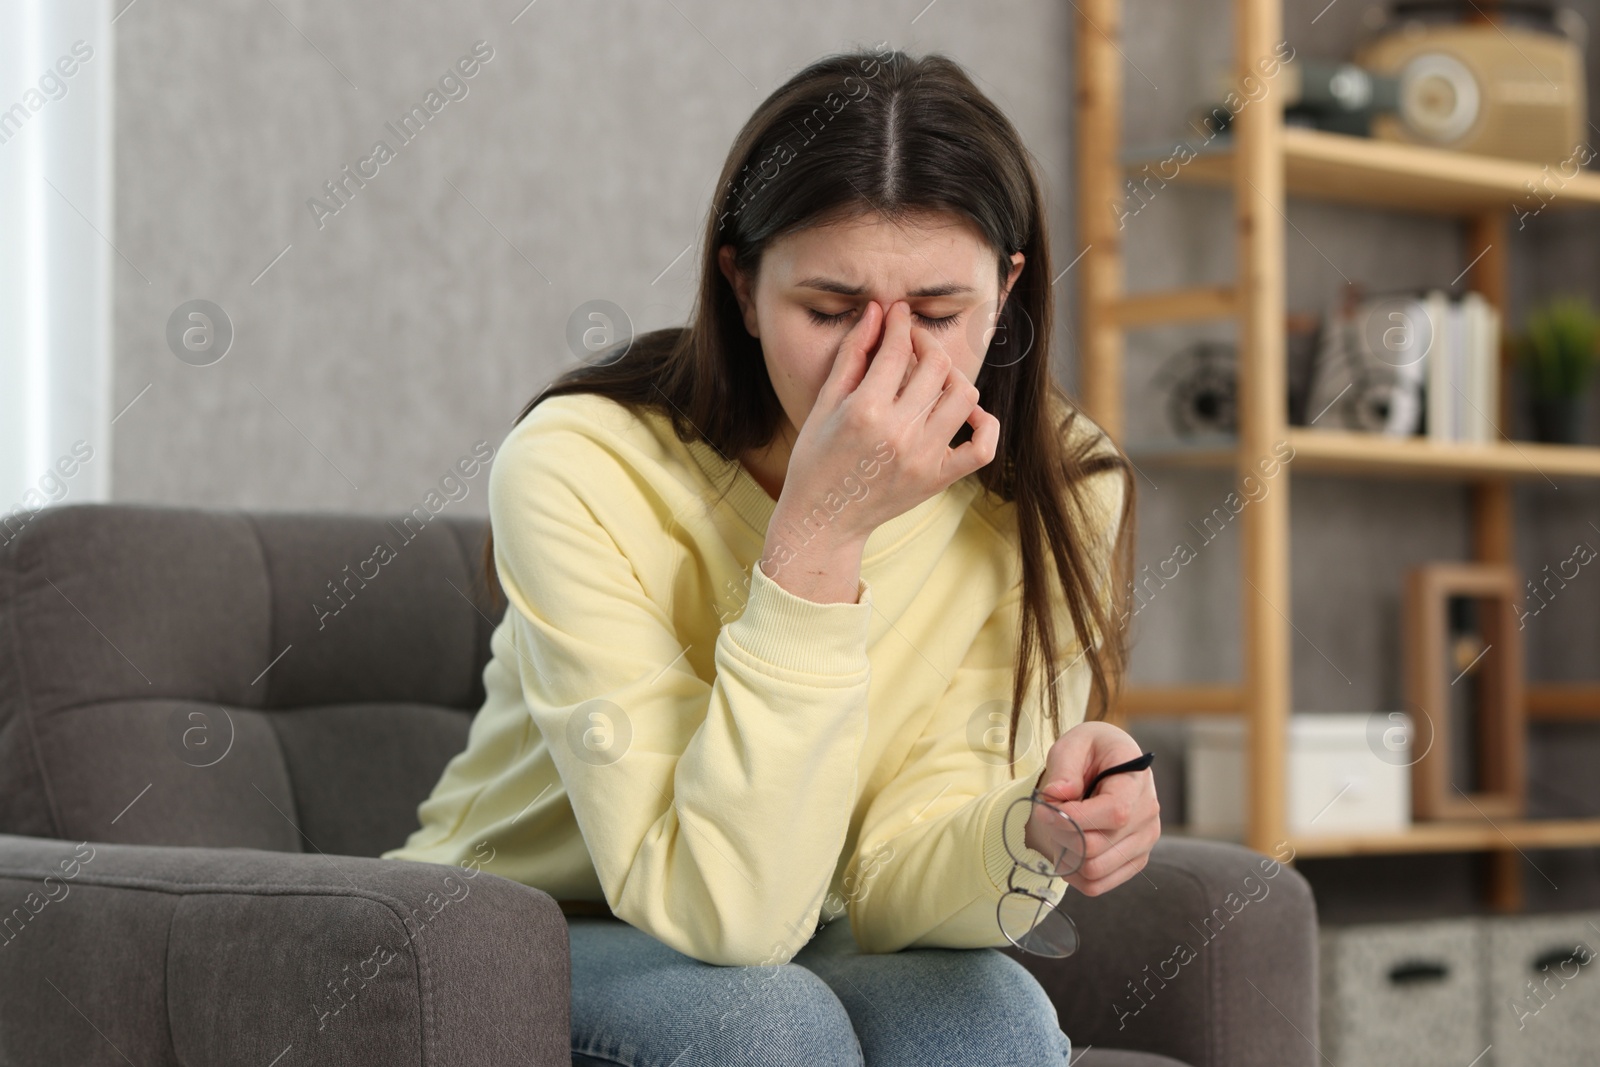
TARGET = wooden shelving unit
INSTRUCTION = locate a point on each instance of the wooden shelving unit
(1263, 162)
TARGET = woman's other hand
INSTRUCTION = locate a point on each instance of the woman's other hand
(1121, 822)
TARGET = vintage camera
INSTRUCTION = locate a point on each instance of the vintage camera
(1339, 97)
(1325, 94)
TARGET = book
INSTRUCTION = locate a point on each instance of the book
(1463, 369)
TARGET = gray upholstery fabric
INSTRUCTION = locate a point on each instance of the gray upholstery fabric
(174, 956)
(123, 626)
(178, 691)
(1092, 1057)
(1112, 1057)
(1244, 994)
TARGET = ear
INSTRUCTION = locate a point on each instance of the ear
(741, 289)
(1011, 279)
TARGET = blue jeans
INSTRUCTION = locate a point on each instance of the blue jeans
(639, 1003)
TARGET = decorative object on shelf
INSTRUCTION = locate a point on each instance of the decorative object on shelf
(1324, 94)
(1557, 355)
(1340, 97)
(1202, 389)
(1462, 662)
(1400, 363)
(1369, 365)
(1513, 87)
(1463, 368)
(1338, 781)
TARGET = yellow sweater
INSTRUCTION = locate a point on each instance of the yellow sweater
(725, 764)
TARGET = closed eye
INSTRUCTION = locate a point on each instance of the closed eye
(943, 323)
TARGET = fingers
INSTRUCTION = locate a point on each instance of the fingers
(1069, 765)
(929, 377)
(979, 449)
(1113, 856)
(954, 401)
(1104, 821)
(850, 363)
(1117, 861)
(1111, 818)
(1106, 861)
(1110, 808)
(1081, 753)
(1120, 823)
(888, 366)
(951, 394)
(1063, 847)
(1104, 885)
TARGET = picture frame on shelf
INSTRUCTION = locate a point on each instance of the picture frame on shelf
(1463, 669)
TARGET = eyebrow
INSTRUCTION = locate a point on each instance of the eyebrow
(833, 285)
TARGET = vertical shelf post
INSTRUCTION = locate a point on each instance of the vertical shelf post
(1488, 239)
(1097, 26)
(1258, 191)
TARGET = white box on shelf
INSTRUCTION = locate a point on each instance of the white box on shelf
(1346, 772)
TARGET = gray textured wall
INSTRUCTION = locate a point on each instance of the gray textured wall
(424, 314)
(420, 317)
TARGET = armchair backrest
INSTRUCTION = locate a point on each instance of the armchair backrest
(278, 680)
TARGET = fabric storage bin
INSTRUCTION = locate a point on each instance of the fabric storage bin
(1403, 994)
(1543, 989)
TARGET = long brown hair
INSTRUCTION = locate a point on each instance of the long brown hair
(886, 133)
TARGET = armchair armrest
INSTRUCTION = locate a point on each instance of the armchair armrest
(111, 953)
(1209, 956)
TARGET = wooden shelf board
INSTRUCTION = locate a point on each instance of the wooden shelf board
(1564, 701)
(1204, 698)
(1198, 304)
(1351, 452)
(1546, 701)
(1456, 837)
(1359, 170)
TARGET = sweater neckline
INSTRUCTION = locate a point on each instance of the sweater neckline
(752, 503)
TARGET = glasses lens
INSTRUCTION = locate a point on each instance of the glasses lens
(1032, 925)
(1062, 853)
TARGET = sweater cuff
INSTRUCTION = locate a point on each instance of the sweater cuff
(792, 632)
(996, 860)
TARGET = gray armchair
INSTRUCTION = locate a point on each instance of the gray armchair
(212, 722)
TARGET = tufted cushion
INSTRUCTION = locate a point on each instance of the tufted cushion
(182, 676)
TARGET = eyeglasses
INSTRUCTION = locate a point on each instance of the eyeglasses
(1028, 919)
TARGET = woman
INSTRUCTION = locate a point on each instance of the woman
(790, 591)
